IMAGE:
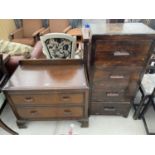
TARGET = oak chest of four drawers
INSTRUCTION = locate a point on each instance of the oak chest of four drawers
(117, 60)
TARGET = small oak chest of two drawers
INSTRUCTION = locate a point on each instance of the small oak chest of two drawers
(49, 90)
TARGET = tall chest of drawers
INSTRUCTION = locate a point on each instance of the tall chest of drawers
(49, 90)
(117, 59)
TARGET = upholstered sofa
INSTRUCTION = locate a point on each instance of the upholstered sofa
(14, 60)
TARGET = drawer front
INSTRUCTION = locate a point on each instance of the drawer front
(117, 92)
(104, 95)
(128, 45)
(110, 108)
(112, 85)
(116, 72)
(116, 82)
(122, 52)
(48, 112)
(111, 74)
(64, 98)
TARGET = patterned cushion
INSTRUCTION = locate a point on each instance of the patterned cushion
(59, 48)
(15, 49)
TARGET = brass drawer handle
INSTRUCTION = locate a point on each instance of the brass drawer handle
(109, 109)
(65, 98)
(67, 112)
(112, 94)
(33, 112)
(121, 53)
(116, 77)
(28, 99)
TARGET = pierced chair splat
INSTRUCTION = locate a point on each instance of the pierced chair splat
(58, 46)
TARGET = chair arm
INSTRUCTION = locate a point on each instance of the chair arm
(45, 31)
(38, 32)
(37, 51)
(67, 29)
(16, 34)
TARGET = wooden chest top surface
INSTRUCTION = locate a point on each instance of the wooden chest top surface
(121, 29)
(47, 75)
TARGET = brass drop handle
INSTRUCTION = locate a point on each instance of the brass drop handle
(109, 109)
(33, 112)
(116, 76)
(112, 94)
(28, 99)
(65, 98)
(121, 53)
(67, 112)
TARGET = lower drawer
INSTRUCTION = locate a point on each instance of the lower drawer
(101, 95)
(108, 92)
(48, 112)
(106, 108)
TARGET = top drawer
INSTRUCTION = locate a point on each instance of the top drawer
(49, 99)
(130, 45)
(122, 52)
